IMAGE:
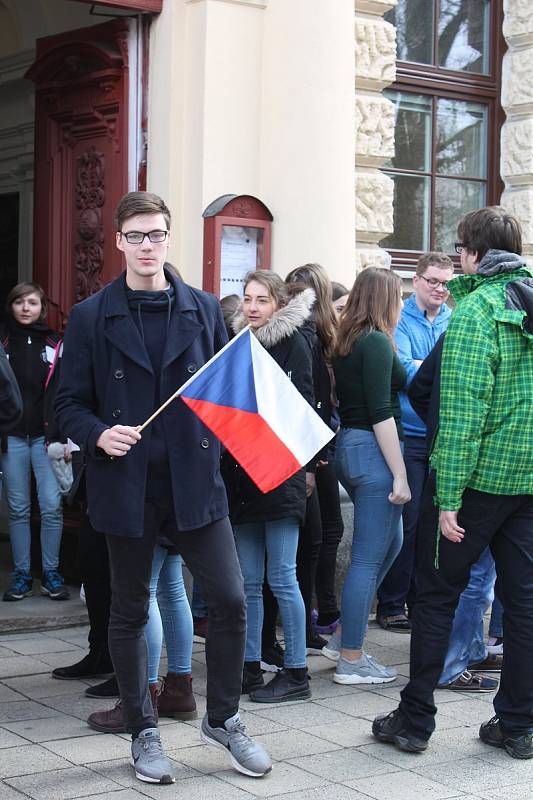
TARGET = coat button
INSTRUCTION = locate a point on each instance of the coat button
(192, 368)
(118, 374)
(205, 443)
(116, 413)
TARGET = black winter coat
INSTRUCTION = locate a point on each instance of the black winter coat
(107, 379)
(282, 338)
(10, 397)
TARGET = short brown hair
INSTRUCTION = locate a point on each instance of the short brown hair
(426, 260)
(490, 228)
(135, 203)
(21, 290)
(273, 283)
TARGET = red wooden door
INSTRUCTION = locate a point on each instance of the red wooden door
(81, 160)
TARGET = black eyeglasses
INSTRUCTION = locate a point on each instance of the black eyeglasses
(459, 247)
(434, 282)
(137, 237)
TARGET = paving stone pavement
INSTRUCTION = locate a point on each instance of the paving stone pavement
(322, 749)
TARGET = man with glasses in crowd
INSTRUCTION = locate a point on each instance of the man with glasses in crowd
(126, 350)
(483, 457)
(425, 317)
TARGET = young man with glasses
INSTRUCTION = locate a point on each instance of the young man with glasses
(425, 317)
(127, 349)
(483, 457)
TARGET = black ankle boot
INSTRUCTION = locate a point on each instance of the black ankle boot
(288, 684)
(252, 677)
(96, 664)
(108, 688)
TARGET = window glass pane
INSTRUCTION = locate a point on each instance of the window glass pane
(454, 199)
(413, 131)
(414, 30)
(464, 35)
(461, 138)
(411, 214)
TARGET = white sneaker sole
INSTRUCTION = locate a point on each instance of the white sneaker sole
(266, 667)
(239, 767)
(164, 780)
(355, 679)
(333, 655)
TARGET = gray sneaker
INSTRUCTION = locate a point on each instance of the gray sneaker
(246, 756)
(333, 648)
(147, 757)
(364, 670)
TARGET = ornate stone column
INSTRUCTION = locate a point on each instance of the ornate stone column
(517, 100)
(375, 68)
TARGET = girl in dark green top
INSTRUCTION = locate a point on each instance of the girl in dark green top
(369, 462)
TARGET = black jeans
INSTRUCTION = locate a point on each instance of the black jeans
(506, 524)
(210, 555)
(327, 486)
(399, 585)
(309, 543)
(94, 571)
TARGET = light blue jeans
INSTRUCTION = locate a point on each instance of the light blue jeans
(466, 644)
(278, 539)
(377, 535)
(169, 613)
(24, 455)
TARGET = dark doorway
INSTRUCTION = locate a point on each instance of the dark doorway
(9, 246)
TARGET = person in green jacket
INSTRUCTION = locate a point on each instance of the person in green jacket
(483, 456)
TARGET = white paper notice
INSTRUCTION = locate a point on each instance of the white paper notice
(238, 256)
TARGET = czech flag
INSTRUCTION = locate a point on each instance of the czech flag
(250, 404)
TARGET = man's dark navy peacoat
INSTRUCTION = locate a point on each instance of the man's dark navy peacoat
(107, 379)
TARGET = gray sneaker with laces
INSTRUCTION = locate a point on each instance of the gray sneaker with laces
(147, 757)
(246, 756)
(333, 648)
(364, 670)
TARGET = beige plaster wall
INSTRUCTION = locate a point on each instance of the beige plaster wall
(256, 98)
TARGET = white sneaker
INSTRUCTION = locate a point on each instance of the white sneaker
(333, 648)
(364, 670)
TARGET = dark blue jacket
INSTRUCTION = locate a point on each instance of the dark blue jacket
(107, 379)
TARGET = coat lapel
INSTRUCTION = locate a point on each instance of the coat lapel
(120, 329)
(184, 327)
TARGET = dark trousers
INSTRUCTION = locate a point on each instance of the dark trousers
(399, 585)
(210, 555)
(94, 571)
(506, 524)
(309, 543)
(327, 486)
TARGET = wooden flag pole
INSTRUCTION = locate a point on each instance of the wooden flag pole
(191, 379)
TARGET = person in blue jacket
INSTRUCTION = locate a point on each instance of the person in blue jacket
(127, 349)
(424, 318)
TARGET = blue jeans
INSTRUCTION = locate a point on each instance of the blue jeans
(22, 456)
(277, 539)
(377, 535)
(466, 639)
(399, 585)
(169, 613)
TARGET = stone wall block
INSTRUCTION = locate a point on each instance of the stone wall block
(371, 257)
(373, 206)
(518, 19)
(517, 84)
(374, 126)
(517, 151)
(519, 203)
(375, 53)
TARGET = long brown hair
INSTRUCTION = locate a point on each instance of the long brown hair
(316, 277)
(373, 305)
(272, 282)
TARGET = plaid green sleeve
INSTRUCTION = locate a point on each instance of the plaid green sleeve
(469, 362)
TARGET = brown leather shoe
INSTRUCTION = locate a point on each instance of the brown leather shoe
(176, 699)
(492, 663)
(108, 721)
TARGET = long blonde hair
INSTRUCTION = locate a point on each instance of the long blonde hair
(316, 277)
(373, 305)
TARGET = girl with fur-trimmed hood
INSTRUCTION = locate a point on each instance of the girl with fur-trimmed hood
(268, 524)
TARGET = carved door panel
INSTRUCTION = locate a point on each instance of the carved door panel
(81, 160)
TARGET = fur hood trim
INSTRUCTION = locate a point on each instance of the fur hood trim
(283, 322)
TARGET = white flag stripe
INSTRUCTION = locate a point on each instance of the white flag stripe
(287, 412)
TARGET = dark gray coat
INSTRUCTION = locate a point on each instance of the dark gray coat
(107, 379)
